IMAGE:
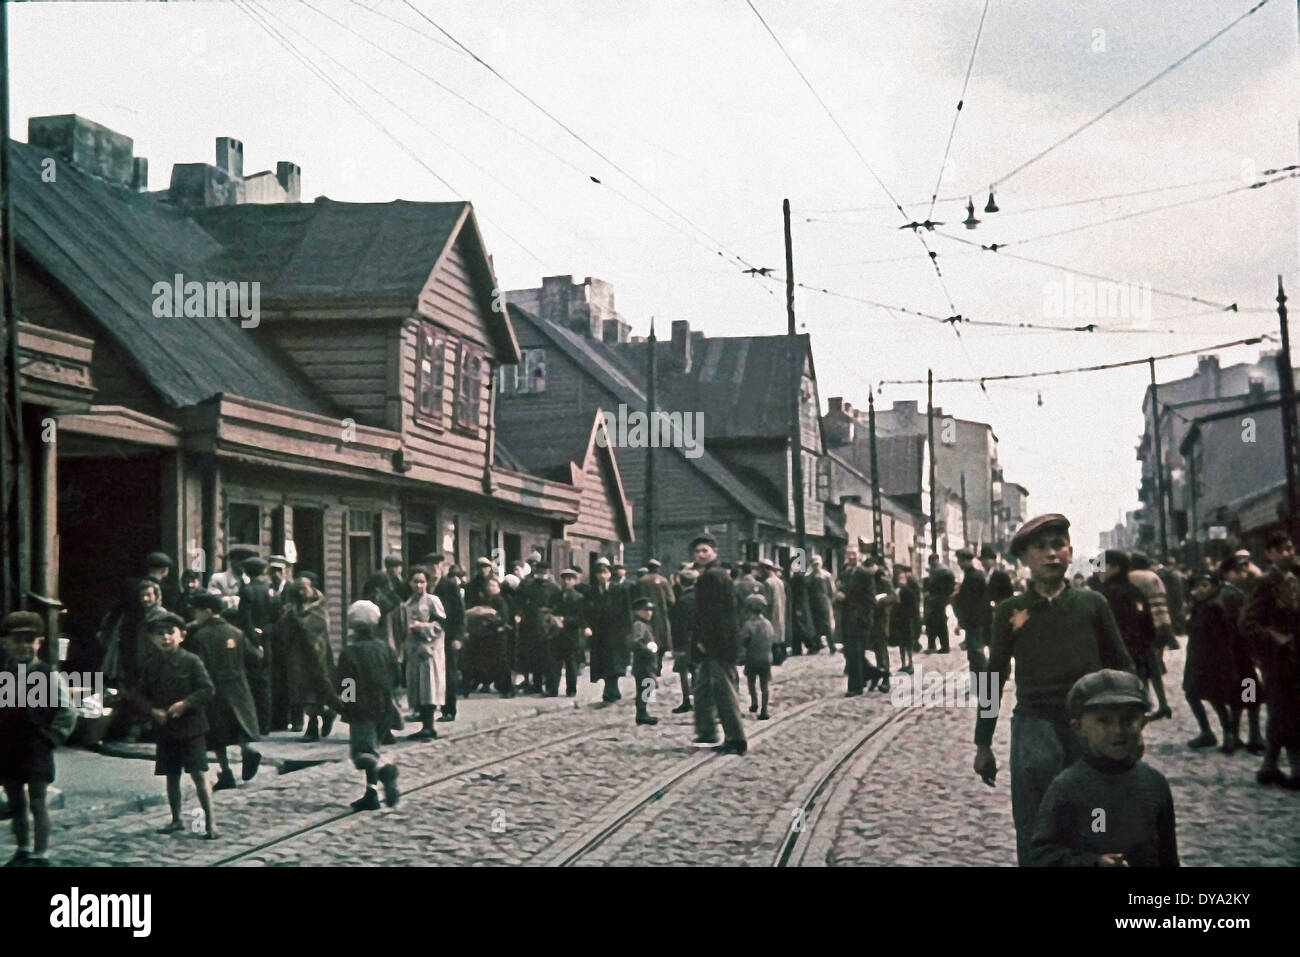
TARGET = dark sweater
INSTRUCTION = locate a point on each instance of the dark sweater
(1138, 822)
(367, 672)
(1054, 644)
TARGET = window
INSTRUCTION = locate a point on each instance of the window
(430, 360)
(525, 377)
(469, 387)
(243, 525)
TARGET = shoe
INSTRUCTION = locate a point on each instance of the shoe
(571, 694)
(1269, 776)
(327, 724)
(1162, 713)
(551, 694)
(884, 686)
(295, 728)
(928, 651)
(38, 861)
(387, 737)
(211, 834)
(171, 828)
(388, 778)
(368, 803)
(852, 694)
(310, 736)
(733, 747)
(225, 781)
(1205, 739)
(763, 715)
(1230, 745)
(412, 717)
(452, 717)
(683, 708)
(646, 719)
(753, 707)
(252, 761)
(706, 740)
(21, 858)
(1256, 747)
(422, 735)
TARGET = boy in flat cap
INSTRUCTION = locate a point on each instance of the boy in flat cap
(1109, 808)
(716, 649)
(175, 690)
(645, 658)
(1056, 634)
(567, 643)
(30, 730)
(756, 640)
(367, 674)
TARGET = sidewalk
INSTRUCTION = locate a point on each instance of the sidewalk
(98, 784)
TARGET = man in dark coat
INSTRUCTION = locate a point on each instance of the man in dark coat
(476, 591)
(388, 589)
(886, 608)
(856, 597)
(448, 591)
(609, 616)
(304, 643)
(541, 596)
(654, 586)
(1132, 614)
(1233, 572)
(684, 634)
(974, 614)
(803, 631)
(571, 608)
(939, 586)
(1000, 586)
(162, 570)
(1271, 621)
(258, 610)
(232, 716)
(717, 628)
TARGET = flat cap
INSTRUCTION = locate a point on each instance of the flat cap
(364, 613)
(689, 575)
(277, 561)
(641, 603)
(704, 540)
(988, 551)
(653, 564)
(23, 622)
(483, 562)
(965, 554)
(602, 562)
(393, 561)
(755, 601)
(254, 565)
(766, 563)
(211, 602)
(1107, 686)
(541, 565)
(240, 552)
(433, 558)
(159, 560)
(619, 565)
(1051, 522)
(570, 573)
(643, 570)
(164, 623)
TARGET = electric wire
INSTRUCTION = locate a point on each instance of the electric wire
(961, 101)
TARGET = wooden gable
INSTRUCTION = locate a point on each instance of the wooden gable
(603, 512)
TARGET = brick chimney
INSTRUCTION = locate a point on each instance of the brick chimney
(290, 177)
(838, 423)
(230, 156)
(681, 349)
(1255, 389)
(139, 173)
(85, 145)
(1207, 371)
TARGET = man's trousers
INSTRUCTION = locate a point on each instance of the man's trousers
(717, 698)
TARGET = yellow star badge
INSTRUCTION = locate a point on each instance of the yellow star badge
(1018, 618)
(230, 642)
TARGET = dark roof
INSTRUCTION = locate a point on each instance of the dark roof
(107, 247)
(335, 250)
(743, 384)
(599, 360)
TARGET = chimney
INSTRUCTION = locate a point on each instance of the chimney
(681, 345)
(553, 300)
(84, 145)
(838, 425)
(139, 173)
(290, 177)
(1255, 389)
(230, 156)
(1207, 370)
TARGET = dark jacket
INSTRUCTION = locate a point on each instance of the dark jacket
(476, 591)
(716, 620)
(367, 673)
(1132, 616)
(1000, 587)
(971, 603)
(258, 610)
(684, 626)
(939, 584)
(1275, 603)
(859, 587)
(448, 592)
(609, 616)
(1210, 672)
(645, 663)
(166, 679)
(227, 655)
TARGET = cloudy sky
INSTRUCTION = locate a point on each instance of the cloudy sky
(698, 126)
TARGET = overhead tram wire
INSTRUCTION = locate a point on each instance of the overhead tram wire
(259, 17)
(585, 174)
(1252, 340)
(1124, 99)
(961, 101)
(719, 247)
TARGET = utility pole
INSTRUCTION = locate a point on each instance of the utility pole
(877, 520)
(965, 538)
(651, 517)
(796, 366)
(1160, 459)
(929, 429)
(13, 497)
(1286, 383)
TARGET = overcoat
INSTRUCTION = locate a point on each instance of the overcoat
(305, 637)
(609, 616)
(227, 654)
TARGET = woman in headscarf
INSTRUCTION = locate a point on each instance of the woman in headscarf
(420, 619)
(304, 630)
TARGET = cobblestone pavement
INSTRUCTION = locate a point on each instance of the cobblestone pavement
(911, 801)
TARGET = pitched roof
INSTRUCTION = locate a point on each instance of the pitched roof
(743, 384)
(107, 247)
(599, 361)
(359, 252)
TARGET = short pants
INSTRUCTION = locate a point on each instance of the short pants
(187, 754)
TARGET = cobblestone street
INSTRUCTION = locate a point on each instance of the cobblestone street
(588, 786)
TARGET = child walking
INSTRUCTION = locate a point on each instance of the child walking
(30, 730)
(1210, 675)
(645, 658)
(175, 690)
(1107, 809)
(756, 640)
(367, 673)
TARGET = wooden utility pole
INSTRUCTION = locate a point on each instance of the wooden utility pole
(796, 366)
(1160, 460)
(651, 516)
(877, 520)
(13, 495)
(965, 535)
(929, 430)
(1286, 384)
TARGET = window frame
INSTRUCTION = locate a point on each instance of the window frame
(467, 353)
(437, 341)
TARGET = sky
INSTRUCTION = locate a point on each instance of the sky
(697, 126)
